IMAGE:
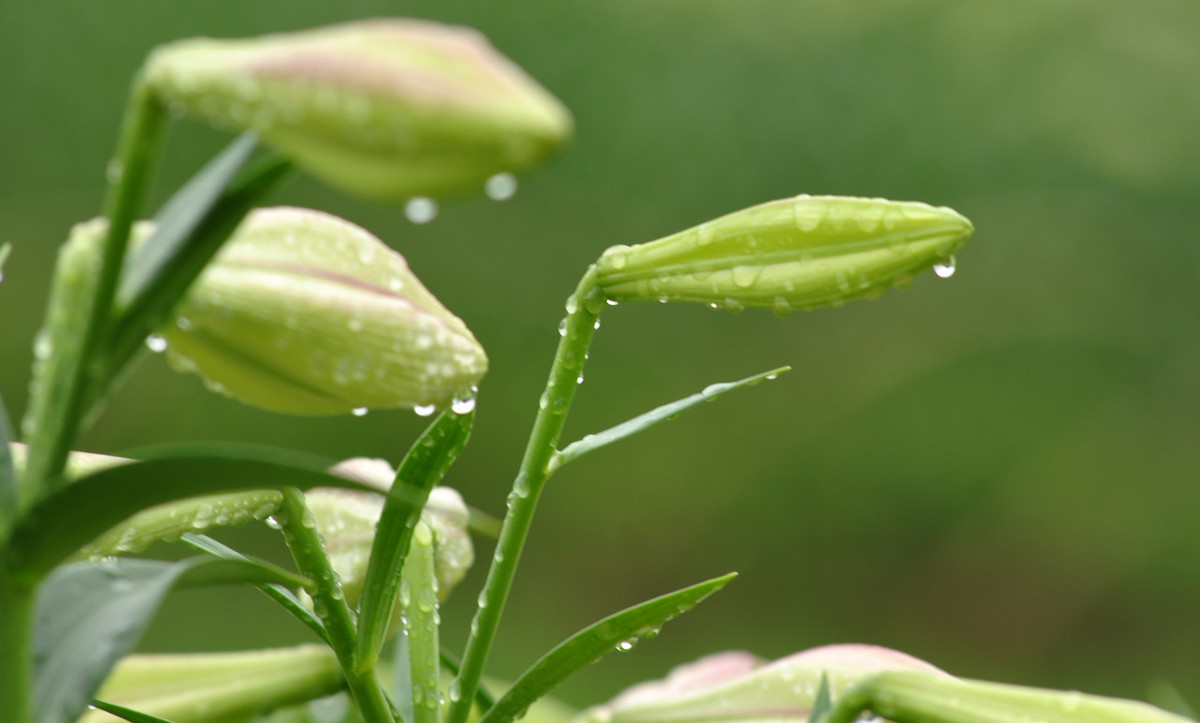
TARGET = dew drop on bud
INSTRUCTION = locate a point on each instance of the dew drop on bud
(501, 187)
(463, 406)
(945, 269)
(156, 343)
(611, 302)
(424, 410)
(359, 411)
(421, 209)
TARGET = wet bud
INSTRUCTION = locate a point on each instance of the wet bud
(795, 253)
(302, 312)
(384, 108)
(736, 686)
(346, 520)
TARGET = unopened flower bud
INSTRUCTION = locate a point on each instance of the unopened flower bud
(384, 108)
(346, 521)
(795, 253)
(736, 686)
(303, 312)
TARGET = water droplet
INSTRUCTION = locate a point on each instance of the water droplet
(156, 343)
(274, 523)
(114, 171)
(611, 302)
(579, 379)
(945, 269)
(562, 327)
(355, 324)
(421, 209)
(184, 323)
(500, 187)
(455, 691)
(596, 325)
(359, 411)
(424, 410)
(625, 645)
(463, 406)
(43, 346)
(781, 307)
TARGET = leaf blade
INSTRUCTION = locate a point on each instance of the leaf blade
(423, 467)
(91, 614)
(84, 509)
(587, 645)
(666, 412)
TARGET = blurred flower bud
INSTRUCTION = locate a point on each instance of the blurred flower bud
(736, 686)
(347, 522)
(305, 313)
(795, 253)
(384, 108)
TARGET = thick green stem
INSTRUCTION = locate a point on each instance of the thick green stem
(16, 629)
(583, 314)
(130, 174)
(308, 550)
(421, 627)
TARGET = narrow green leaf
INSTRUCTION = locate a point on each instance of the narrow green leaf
(8, 477)
(278, 593)
(179, 218)
(592, 442)
(129, 714)
(423, 467)
(421, 629)
(79, 512)
(189, 231)
(616, 632)
(823, 703)
(91, 614)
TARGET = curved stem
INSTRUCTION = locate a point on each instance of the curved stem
(583, 312)
(129, 180)
(308, 550)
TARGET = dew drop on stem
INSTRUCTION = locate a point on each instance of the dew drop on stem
(156, 343)
(359, 411)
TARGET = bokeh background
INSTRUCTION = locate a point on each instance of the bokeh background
(998, 472)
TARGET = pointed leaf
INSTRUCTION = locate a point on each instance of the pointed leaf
(593, 442)
(423, 467)
(823, 703)
(82, 510)
(618, 631)
(129, 714)
(189, 230)
(91, 614)
(278, 593)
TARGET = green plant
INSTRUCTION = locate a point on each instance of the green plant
(299, 312)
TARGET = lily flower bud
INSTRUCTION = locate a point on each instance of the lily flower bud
(384, 108)
(737, 686)
(347, 519)
(305, 313)
(795, 253)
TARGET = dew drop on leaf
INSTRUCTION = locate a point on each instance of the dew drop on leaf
(156, 343)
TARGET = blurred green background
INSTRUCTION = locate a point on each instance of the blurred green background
(997, 473)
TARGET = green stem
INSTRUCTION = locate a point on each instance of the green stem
(16, 655)
(308, 550)
(583, 313)
(130, 175)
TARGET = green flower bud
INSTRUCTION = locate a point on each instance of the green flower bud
(305, 313)
(347, 519)
(384, 108)
(736, 686)
(795, 253)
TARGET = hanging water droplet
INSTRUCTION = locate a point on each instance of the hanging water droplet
(500, 187)
(562, 327)
(611, 302)
(596, 325)
(579, 379)
(625, 645)
(463, 406)
(274, 523)
(421, 209)
(945, 269)
(156, 343)
(424, 410)
(359, 411)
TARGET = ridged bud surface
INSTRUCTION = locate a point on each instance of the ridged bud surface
(385, 108)
(795, 253)
(305, 313)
